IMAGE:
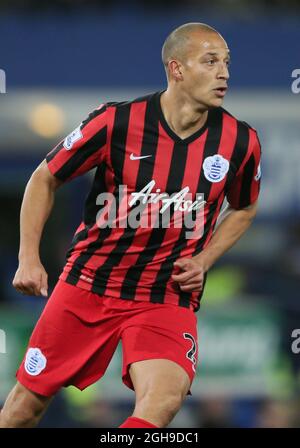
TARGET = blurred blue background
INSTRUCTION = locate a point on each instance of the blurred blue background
(65, 57)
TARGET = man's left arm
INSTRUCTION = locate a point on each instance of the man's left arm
(232, 224)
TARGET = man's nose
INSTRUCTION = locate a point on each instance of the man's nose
(223, 72)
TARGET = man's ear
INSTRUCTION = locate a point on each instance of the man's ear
(175, 70)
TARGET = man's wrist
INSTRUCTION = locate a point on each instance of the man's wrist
(29, 256)
(205, 260)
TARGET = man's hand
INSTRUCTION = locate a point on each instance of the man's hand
(191, 279)
(31, 279)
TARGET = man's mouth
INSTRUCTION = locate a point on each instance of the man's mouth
(220, 91)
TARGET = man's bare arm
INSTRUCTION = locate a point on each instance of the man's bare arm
(38, 200)
(231, 226)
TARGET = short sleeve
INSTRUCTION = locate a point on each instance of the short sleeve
(244, 189)
(83, 149)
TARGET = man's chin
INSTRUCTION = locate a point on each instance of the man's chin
(211, 103)
(216, 102)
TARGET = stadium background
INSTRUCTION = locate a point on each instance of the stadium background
(62, 58)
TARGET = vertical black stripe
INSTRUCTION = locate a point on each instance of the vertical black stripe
(248, 175)
(175, 178)
(239, 152)
(204, 186)
(238, 155)
(118, 140)
(90, 208)
(210, 215)
(201, 293)
(144, 176)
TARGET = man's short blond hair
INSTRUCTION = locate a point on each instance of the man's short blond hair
(176, 44)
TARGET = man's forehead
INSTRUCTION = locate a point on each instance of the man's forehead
(209, 42)
(215, 50)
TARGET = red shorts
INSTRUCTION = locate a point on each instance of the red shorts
(78, 333)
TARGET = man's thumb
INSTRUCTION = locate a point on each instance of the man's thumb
(44, 291)
(180, 263)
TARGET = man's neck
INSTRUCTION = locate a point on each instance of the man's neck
(182, 116)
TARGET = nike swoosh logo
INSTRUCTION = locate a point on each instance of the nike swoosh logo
(133, 157)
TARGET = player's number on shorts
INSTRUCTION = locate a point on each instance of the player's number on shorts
(191, 353)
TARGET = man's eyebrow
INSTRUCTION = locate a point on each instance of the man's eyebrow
(213, 53)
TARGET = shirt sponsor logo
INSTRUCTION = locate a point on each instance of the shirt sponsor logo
(72, 138)
(35, 361)
(215, 168)
(151, 208)
(181, 199)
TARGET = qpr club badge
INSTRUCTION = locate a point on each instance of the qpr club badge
(35, 361)
(215, 168)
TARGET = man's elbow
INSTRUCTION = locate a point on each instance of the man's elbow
(250, 211)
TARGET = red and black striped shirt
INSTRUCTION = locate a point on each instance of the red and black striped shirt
(134, 150)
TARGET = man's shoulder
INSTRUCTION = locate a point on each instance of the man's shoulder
(126, 103)
(239, 122)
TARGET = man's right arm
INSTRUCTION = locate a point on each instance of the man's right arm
(31, 277)
(82, 150)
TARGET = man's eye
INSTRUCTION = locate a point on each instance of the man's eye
(211, 62)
